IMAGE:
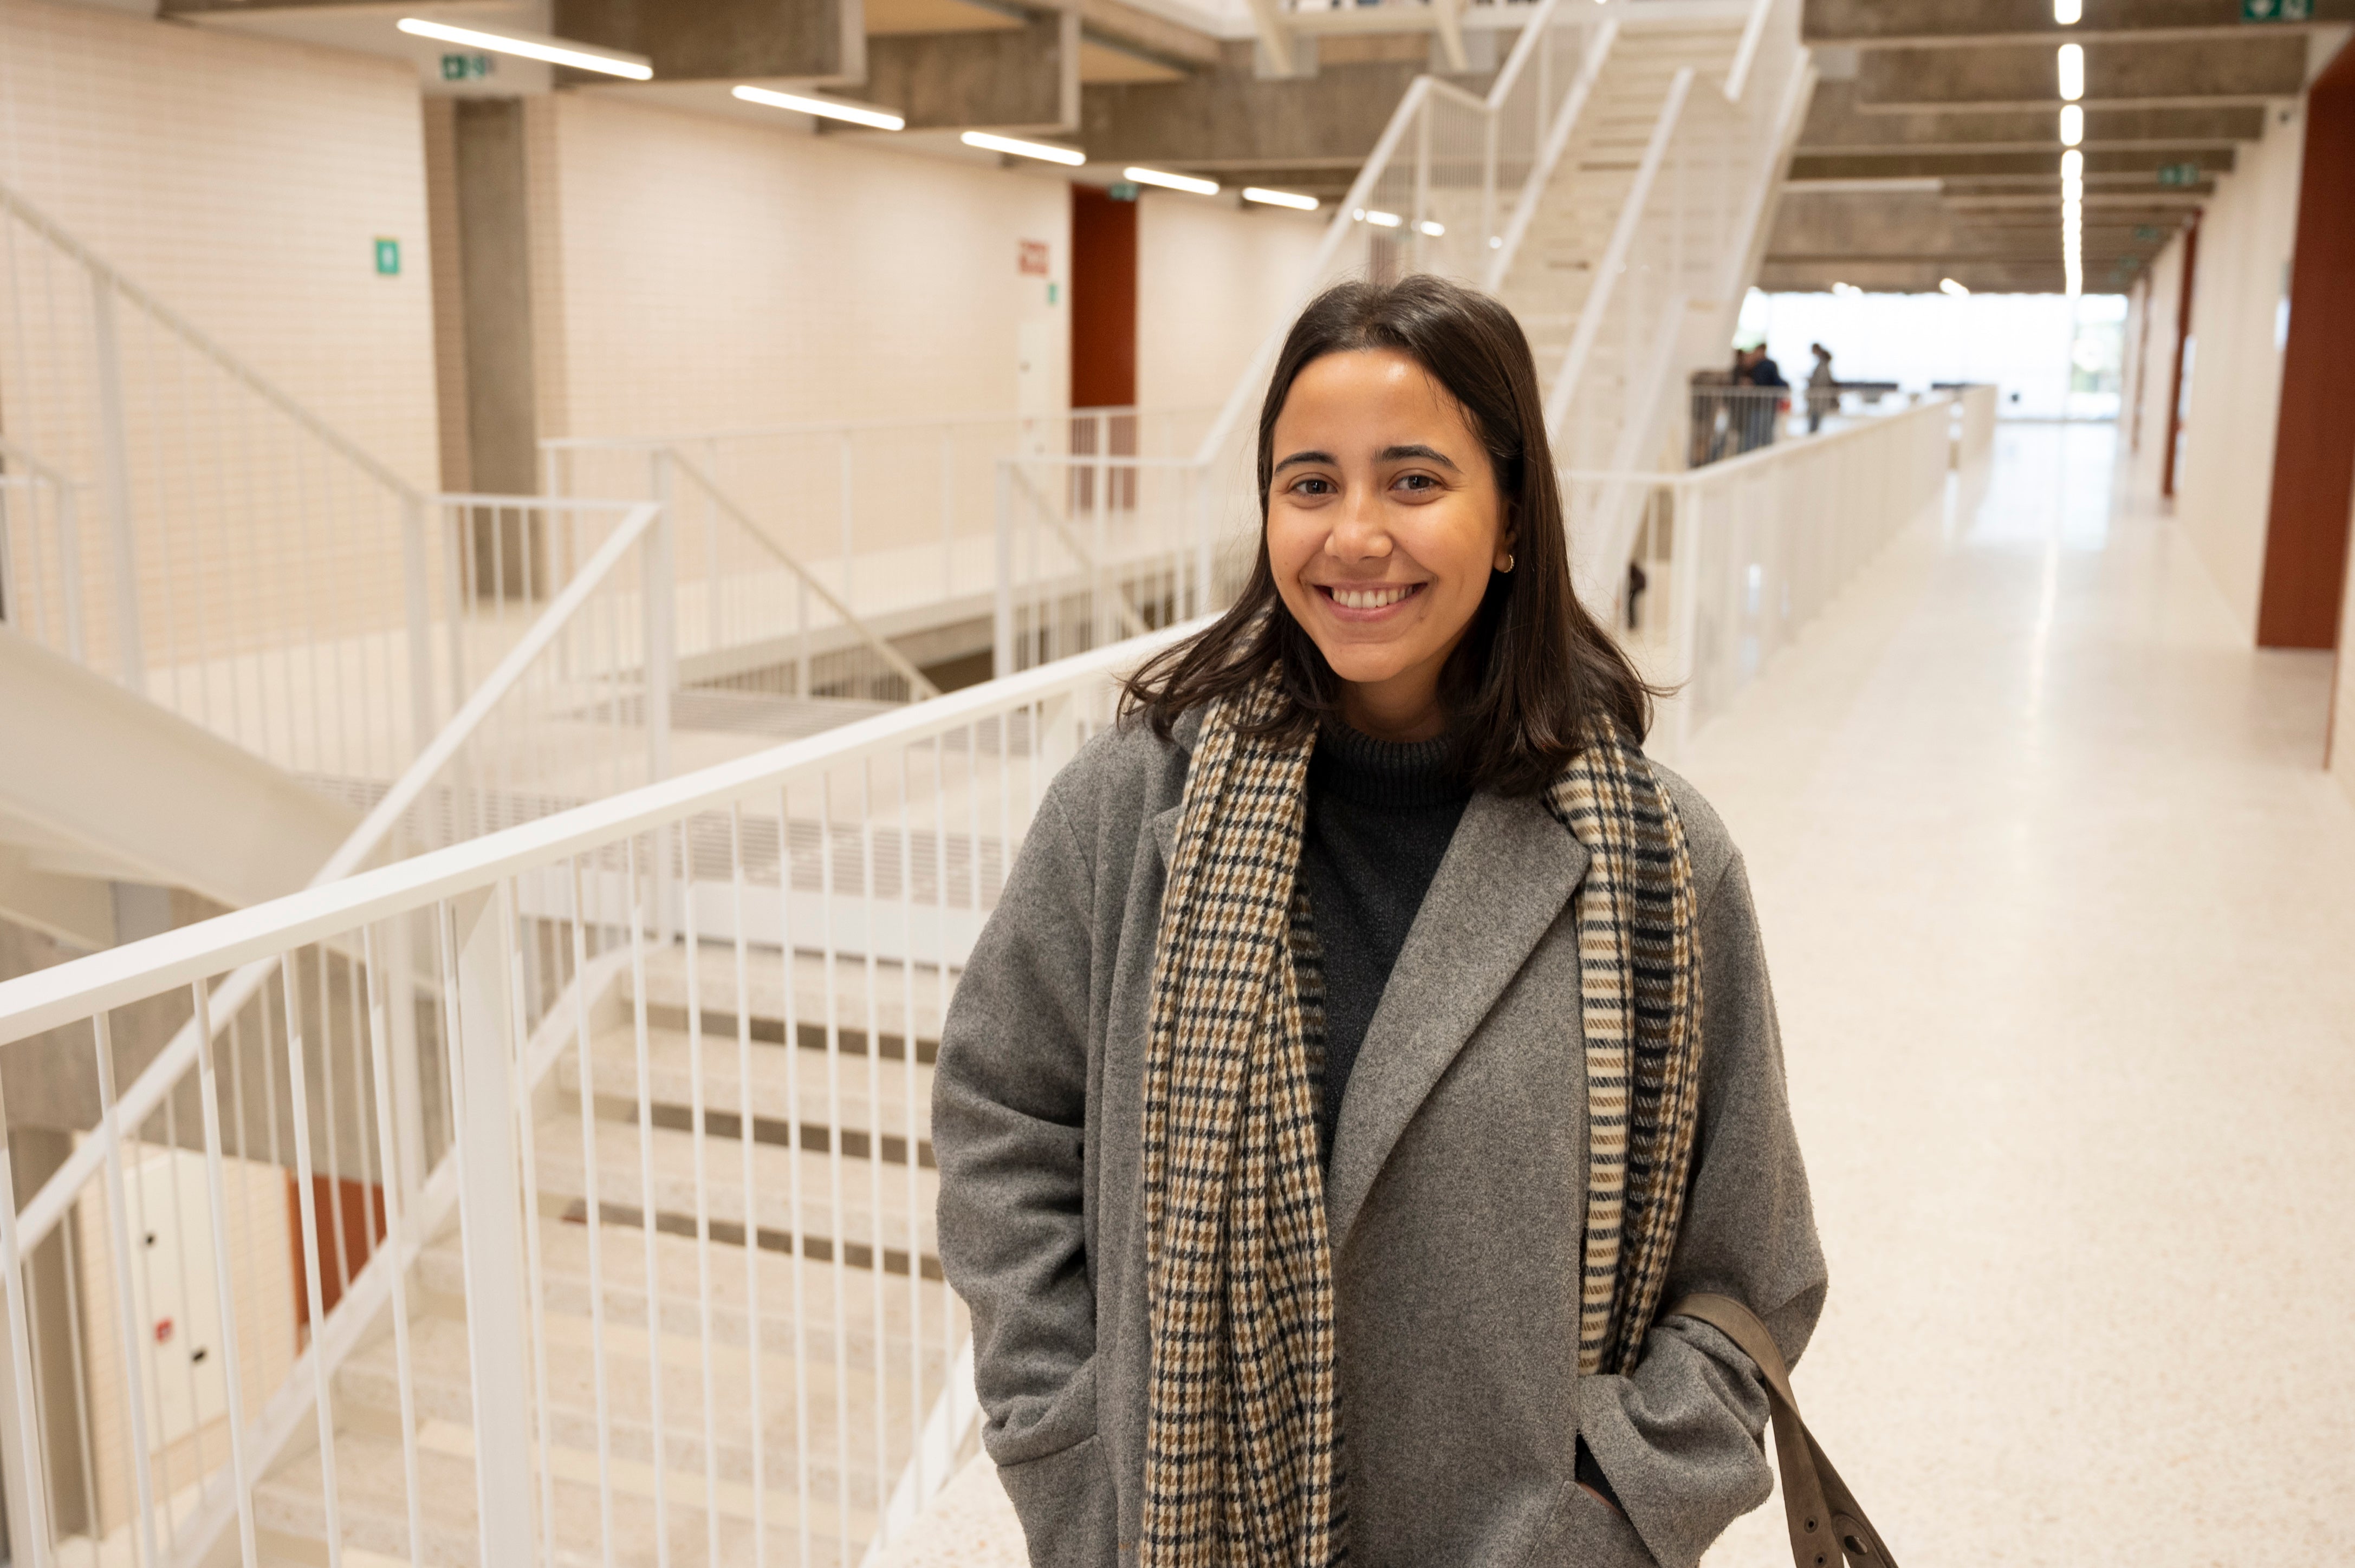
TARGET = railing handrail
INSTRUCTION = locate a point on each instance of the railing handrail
(1377, 164)
(15, 452)
(1574, 110)
(147, 1092)
(1753, 32)
(899, 662)
(71, 992)
(344, 446)
(1779, 451)
(836, 427)
(1615, 255)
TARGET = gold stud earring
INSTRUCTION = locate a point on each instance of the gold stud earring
(1509, 563)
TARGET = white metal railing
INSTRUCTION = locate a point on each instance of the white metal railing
(891, 519)
(1453, 180)
(1736, 557)
(522, 1070)
(1684, 245)
(40, 548)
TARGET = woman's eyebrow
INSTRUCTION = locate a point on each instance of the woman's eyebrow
(1304, 457)
(1396, 454)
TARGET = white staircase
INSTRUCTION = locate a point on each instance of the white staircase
(850, 1359)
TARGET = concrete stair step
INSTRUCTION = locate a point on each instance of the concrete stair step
(891, 997)
(372, 1509)
(791, 1291)
(823, 1422)
(804, 1086)
(840, 1194)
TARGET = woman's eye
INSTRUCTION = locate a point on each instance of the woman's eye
(1417, 482)
(1312, 485)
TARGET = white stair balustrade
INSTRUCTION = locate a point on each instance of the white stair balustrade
(609, 1140)
(852, 543)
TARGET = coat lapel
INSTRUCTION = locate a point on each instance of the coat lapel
(1507, 874)
(1502, 885)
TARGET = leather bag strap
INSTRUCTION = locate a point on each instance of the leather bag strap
(1824, 1516)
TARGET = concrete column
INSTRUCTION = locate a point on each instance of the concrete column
(502, 407)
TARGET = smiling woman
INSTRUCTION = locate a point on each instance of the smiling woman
(1337, 1059)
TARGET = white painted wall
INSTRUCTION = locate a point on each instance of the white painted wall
(2223, 486)
(1213, 279)
(244, 182)
(695, 272)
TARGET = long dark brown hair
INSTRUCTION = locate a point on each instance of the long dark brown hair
(1534, 663)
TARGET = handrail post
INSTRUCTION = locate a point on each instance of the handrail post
(26, 1490)
(421, 651)
(660, 605)
(1002, 631)
(68, 570)
(490, 1227)
(114, 481)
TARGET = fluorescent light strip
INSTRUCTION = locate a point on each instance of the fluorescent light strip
(2068, 13)
(1948, 286)
(2070, 65)
(1070, 157)
(1167, 181)
(857, 114)
(1431, 229)
(1281, 198)
(1376, 217)
(2072, 124)
(2072, 165)
(555, 51)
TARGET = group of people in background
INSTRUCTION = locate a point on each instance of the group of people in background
(1737, 414)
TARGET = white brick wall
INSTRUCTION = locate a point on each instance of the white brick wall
(693, 272)
(244, 181)
(1212, 280)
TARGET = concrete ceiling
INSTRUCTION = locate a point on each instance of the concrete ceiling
(1933, 148)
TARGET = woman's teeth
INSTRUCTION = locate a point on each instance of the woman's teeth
(1371, 599)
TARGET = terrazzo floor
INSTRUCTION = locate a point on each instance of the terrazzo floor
(2061, 911)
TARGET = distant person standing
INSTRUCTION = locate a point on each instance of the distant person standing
(1759, 369)
(1823, 390)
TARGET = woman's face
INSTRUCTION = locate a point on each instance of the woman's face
(1383, 522)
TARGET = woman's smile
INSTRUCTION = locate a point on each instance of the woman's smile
(1364, 602)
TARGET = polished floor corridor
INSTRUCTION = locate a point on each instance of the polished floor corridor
(2061, 918)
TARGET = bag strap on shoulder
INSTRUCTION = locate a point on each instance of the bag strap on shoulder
(1824, 1515)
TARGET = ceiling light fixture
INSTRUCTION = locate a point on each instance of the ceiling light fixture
(1171, 181)
(2072, 124)
(826, 108)
(534, 46)
(1948, 286)
(2068, 13)
(1430, 229)
(1376, 217)
(1070, 157)
(1296, 202)
(2072, 66)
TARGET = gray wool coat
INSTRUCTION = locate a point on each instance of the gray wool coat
(1455, 1192)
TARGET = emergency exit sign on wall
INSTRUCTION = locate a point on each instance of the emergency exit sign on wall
(2276, 10)
(388, 258)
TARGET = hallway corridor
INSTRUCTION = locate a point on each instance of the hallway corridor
(2061, 911)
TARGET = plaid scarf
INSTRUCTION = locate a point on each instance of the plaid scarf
(1242, 1461)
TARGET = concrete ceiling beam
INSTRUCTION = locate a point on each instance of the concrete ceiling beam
(1232, 118)
(1886, 24)
(2144, 165)
(2175, 73)
(1835, 124)
(815, 40)
(1026, 79)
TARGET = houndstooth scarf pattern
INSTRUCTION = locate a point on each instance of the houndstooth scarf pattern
(1244, 1461)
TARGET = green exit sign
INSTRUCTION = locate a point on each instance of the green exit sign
(388, 258)
(466, 67)
(2276, 10)
(2179, 174)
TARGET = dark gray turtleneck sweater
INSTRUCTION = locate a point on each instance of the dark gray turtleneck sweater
(1379, 818)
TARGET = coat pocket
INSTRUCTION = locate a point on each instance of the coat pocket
(1065, 1502)
(1587, 1532)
